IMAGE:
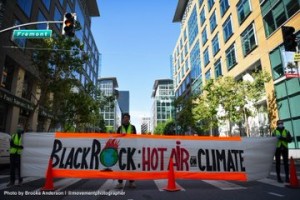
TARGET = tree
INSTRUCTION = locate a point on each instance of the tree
(184, 116)
(226, 99)
(59, 62)
(170, 128)
(159, 129)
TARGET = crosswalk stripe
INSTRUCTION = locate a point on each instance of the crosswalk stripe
(224, 185)
(110, 185)
(25, 180)
(271, 182)
(161, 184)
(281, 174)
(62, 184)
(66, 183)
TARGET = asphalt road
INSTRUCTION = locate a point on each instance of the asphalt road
(96, 189)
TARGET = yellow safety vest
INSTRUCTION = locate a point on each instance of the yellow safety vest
(16, 141)
(281, 142)
(129, 129)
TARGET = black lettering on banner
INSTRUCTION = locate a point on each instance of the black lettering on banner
(57, 146)
(69, 161)
(230, 164)
(84, 164)
(243, 169)
(130, 163)
(221, 158)
(201, 152)
(77, 165)
(61, 164)
(121, 165)
(96, 148)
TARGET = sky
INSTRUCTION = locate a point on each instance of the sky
(136, 39)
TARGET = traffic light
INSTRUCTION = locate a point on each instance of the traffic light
(289, 38)
(69, 24)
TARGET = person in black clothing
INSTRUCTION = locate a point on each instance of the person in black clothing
(284, 137)
(126, 128)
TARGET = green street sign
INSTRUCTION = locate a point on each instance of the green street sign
(31, 34)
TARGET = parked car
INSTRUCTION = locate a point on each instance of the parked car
(4, 148)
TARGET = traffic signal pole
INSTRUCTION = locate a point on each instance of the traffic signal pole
(32, 23)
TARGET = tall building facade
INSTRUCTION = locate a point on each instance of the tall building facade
(163, 95)
(123, 100)
(111, 112)
(18, 88)
(233, 38)
(146, 125)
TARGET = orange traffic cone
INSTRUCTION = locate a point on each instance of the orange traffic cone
(294, 183)
(49, 178)
(171, 187)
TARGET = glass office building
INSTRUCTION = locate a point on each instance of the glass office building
(163, 95)
(234, 38)
(18, 88)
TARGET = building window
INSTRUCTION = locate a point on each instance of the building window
(202, 16)
(204, 36)
(243, 10)
(25, 6)
(195, 62)
(227, 29)
(41, 17)
(57, 17)
(193, 26)
(215, 45)
(210, 4)
(230, 57)
(218, 68)
(207, 75)
(276, 63)
(47, 4)
(224, 5)
(213, 22)
(275, 14)
(7, 74)
(21, 42)
(248, 39)
(206, 56)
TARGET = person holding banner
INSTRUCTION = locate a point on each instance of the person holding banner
(15, 157)
(126, 128)
(284, 137)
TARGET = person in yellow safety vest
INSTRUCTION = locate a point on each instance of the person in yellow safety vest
(15, 157)
(284, 137)
(126, 128)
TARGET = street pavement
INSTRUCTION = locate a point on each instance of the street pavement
(96, 189)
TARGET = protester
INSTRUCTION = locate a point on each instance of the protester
(126, 128)
(15, 157)
(284, 137)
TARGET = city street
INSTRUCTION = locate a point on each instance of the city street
(92, 189)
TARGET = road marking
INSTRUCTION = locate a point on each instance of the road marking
(110, 185)
(61, 184)
(224, 185)
(282, 175)
(271, 182)
(275, 194)
(25, 180)
(161, 184)
(4, 176)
